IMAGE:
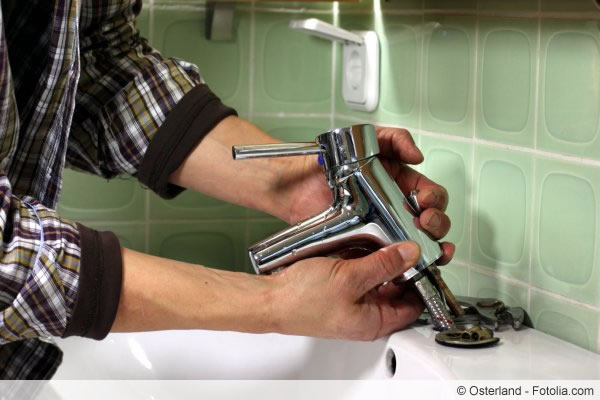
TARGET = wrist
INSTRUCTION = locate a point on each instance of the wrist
(242, 302)
(304, 190)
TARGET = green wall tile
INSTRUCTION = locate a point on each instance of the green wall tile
(506, 81)
(142, 22)
(258, 230)
(223, 64)
(457, 278)
(449, 164)
(567, 321)
(400, 70)
(215, 244)
(508, 5)
(569, 101)
(87, 197)
(487, 286)
(193, 205)
(292, 69)
(571, 5)
(566, 230)
(449, 69)
(502, 211)
(131, 236)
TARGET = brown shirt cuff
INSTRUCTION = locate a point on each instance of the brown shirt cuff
(189, 121)
(99, 288)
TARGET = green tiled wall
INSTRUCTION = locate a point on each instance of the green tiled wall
(503, 96)
(507, 114)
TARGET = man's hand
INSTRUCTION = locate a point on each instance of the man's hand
(308, 193)
(344, 298)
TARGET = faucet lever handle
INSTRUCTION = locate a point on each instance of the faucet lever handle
(275, 150)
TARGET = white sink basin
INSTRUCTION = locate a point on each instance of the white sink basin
(527, 354)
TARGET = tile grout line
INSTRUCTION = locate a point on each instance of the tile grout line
(290, 115)
(117, 222)
(565, 299)
(251, 52)
(542, 153)
(536, 112)
(147, 222)
(497, 275)
(473, 194)
(316, 11)
(336, 15)
(486, 271)
(150, 19)
(251, 113)
(416, 137)
(421, 77)
(598, 335)
(485, 14)
(147, 192)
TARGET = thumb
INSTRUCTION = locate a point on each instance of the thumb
(383, 265)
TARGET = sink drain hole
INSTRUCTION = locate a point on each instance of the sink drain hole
(390, 362)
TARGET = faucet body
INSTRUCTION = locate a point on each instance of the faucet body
(368, 212)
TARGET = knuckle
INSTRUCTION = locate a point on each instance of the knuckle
(386, 263)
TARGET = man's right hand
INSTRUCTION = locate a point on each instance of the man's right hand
(337, 298)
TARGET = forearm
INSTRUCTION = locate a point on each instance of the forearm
(271, 185)
(210, 168)
(161, 294)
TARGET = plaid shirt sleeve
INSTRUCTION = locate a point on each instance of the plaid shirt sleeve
(127, 91)
(40, 268)
(41, 273)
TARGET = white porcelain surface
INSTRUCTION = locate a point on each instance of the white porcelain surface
(528, 354)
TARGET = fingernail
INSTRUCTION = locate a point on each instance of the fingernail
(408, 250)
(430, 198)
(434, 221)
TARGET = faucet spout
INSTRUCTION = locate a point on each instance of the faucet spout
(345, 226)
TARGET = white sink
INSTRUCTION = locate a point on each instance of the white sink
(527, 354)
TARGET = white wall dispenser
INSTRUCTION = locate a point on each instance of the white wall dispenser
(360, 71)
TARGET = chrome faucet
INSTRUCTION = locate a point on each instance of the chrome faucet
(368, 212)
